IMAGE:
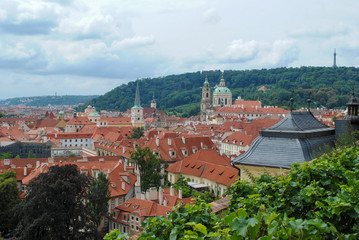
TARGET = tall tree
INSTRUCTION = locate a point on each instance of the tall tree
(56, 206)
(99, 195)
(9, 196)
(137, 133)
(149, 165)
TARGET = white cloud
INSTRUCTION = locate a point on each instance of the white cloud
(212, 16)
(240, 50)
(138, 41)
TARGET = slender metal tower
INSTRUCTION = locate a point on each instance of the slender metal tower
(335, 59)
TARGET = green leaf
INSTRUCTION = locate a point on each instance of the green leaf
(240, 226)
(200, 228)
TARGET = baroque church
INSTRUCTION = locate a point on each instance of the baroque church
(222, 97)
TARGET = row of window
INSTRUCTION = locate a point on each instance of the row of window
(70, 140)
(70, 145)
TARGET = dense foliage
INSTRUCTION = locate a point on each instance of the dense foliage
(326, 86)
(9, 195)
(187, 191)
(137, 133)
(58, 205)
(316, 200)
(43, 101)
(149, 165)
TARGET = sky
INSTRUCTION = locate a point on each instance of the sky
(87, 47)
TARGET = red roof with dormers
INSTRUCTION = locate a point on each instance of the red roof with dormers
(175, 145)
(239, 138)
(207, 164)
(80, 121)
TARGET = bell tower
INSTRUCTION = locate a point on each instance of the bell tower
(137, 111)
(206, 100)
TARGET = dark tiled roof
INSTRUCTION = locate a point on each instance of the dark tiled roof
(298, 121)
(297, 138)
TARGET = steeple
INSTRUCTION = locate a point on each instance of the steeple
(335, 59)
(137, 98)
(206, 83)
(222, 83)
(153, 102)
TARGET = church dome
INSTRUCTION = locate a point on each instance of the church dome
(94, 114)
(222, 90)
(61, 113)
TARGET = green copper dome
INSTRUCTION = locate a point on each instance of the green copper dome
(222, 90)
(61, 113)
(94, 114)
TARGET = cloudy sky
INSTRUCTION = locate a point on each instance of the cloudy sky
(92, 46)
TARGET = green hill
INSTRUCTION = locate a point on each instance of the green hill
(326, 86)
(42, 101)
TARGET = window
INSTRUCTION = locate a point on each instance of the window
(220, 191)
(112, 203)
(132, 227)
(136, 227)
(132, 218)
(124, 229)
(113, 225)
(124, 218)
(137, 219)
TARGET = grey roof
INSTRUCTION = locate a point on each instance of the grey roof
(298, 121)
(299, 137)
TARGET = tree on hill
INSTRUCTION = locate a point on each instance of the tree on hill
(149, 165)
(2, 114)
(9, 196)
(58, 205)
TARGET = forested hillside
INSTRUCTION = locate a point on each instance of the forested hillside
(326, 86)
(47, 100)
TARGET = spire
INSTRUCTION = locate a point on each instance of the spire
(137, 98)
(291, 102)
(206, 83)
(335, 59)
(222, 83)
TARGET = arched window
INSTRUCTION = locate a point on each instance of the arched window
(206, 95)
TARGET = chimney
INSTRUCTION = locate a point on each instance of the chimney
(50, 160)
(184, 140)
(101, 160)
(55, 135)
(157, 141)
(123, 186)
(25, 171)
(143, 197)
(153, 194)
(123, 150)
(124, 167)
(148, 195)
(85, 159)
(169, 141)
(165, 202)
(37, 164)
(201, 145)
(160, 196)
(172, 191)
(180, 193)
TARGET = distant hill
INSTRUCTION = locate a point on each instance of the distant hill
(181, 94)
(42, 101)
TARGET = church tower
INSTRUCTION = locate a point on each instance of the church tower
(335, 59)
(153, 102)
(206, 100)
(137, 111)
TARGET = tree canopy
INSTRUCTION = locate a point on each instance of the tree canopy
(9, 196)
(58, 205)
(149, 165)
(137, 133)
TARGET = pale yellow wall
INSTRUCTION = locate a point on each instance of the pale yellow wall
(213, 185)
(256, 171)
